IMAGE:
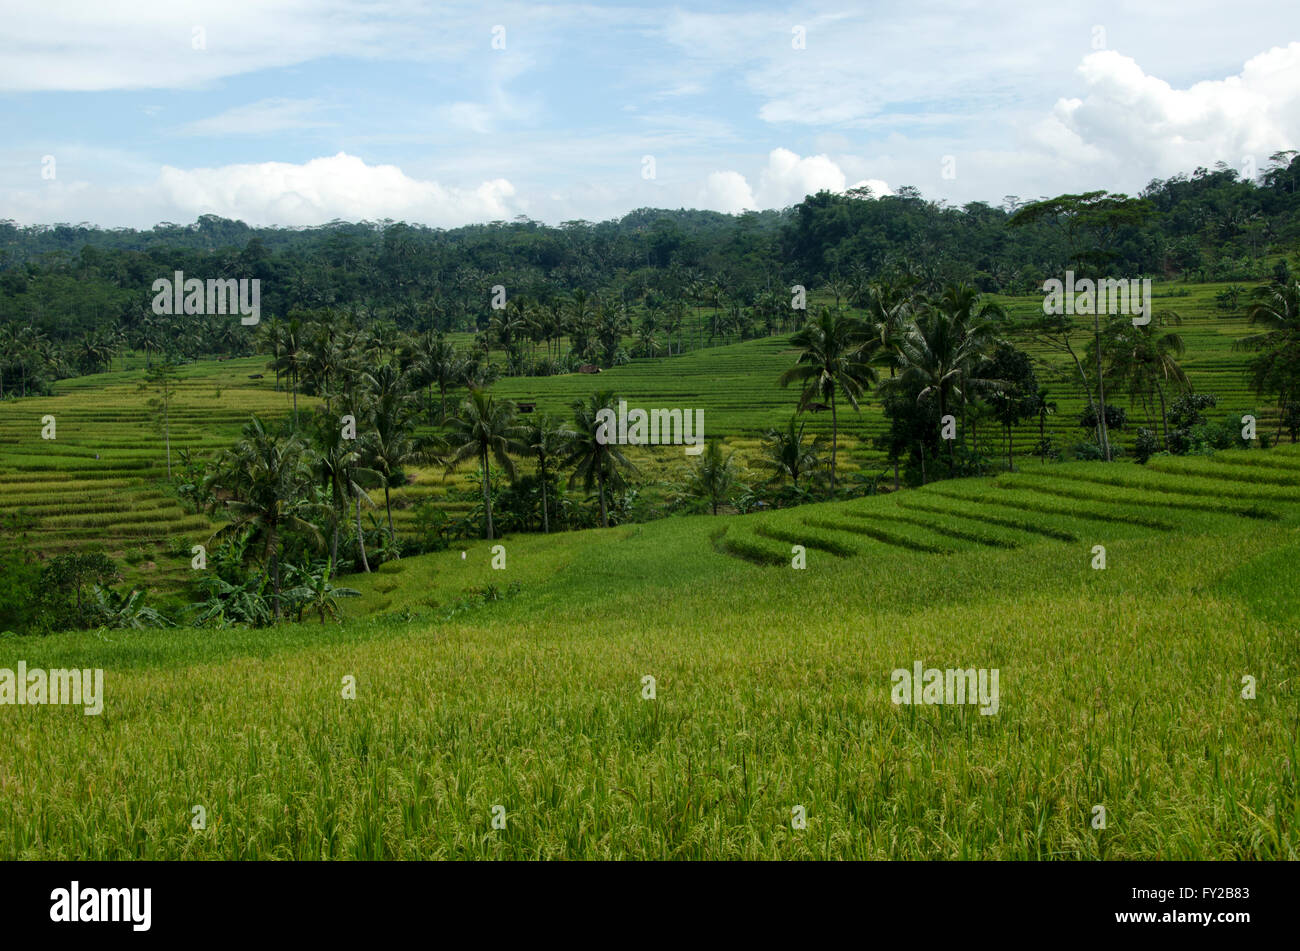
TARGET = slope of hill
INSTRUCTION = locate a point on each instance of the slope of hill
(524, 687)
(103, 479)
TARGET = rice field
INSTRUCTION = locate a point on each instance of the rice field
(519, 694)
(102, 480)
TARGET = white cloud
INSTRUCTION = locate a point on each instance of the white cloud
(270, 193)
(785, 180)
(342, 186)
(258, 118)
(878, 188)
(1129, 117)
(726, 192)
(91, 45)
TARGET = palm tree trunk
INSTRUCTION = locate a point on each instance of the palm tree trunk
(604, 512)
(1164, 416)
(546, 521)
(392, 532)
(835, 435)
(487, 493)
(1101, 392)
(275, 581)
(361, 538)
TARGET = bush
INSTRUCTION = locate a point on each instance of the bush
(1147, 445)
(1085, 451)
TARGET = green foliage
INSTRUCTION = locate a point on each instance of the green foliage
(712, 476)
(66, 581)
(21, 589)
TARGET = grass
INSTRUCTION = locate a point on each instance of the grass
(1119, 687)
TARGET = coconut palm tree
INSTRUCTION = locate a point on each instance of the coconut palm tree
(1145, 359)
(268, 477)
(1046, 407)
(596, 458)
(942, 348)
(1276, 368)
(484, 429)
(830, 366)
(545, 439)
(340, 472)
(389, 444)
(712, 475)
(579, 322)
(289, 359)
(437, 363)
(889, 308)
(787, 456)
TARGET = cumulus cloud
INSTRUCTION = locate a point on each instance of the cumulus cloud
(727, 192)
(342, 186)
(269, 193)
(785, 180)
(1127, 116)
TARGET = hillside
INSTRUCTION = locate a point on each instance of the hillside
(522, 687)
(103, 479)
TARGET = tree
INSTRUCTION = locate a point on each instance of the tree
(314, 592)
(389, 444)
(1275, 369)
(712, 475)
(1090, 223)
(1012, 389)
(289, 358)
(75, 572)
(545, 439)
(1044, 406)
(484, 429)
(1144, 359)
(161, 378)
(268, 477)
(787, 456)
(831, 363)
(437, 363)
(339, 471)
(118, 611)
(597, 460)
(941, 350)
(20, 578)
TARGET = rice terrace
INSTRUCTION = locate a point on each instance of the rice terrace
(864, 523)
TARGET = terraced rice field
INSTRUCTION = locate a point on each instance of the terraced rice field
(521, 687)
(102, 481)
(1069, 503)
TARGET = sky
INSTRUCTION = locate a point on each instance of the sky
(298, 112)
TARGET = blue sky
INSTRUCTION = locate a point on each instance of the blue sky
(299, 112)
